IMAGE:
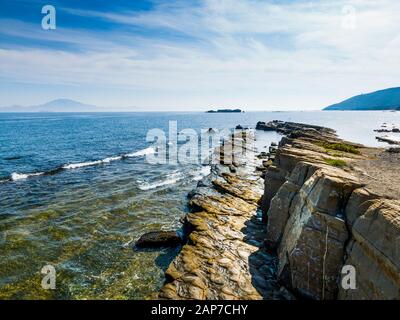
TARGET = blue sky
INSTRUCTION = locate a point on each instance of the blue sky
(193, 55)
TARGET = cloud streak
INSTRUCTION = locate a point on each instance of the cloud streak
(255, 53)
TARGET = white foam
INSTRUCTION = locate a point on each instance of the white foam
(108, 160)
(204, 171)
(174, 178)
(171, 179)
(141, 153)
(82, 164)
(15, 176)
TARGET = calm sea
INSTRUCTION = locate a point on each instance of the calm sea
(76, 192)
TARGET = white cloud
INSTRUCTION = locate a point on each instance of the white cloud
(253, 53)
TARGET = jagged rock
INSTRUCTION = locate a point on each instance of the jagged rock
(389, 139)
(278, 211)
(393, 150)
(358, 203)
(375, 253)
(290, 127)
(159, 239)
(274, 178)
(319, 215)
(313, 242)
(224, 257)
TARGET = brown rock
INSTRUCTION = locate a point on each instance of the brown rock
(375, 253)
(159, 239)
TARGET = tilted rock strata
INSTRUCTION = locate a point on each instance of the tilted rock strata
(320, 218)
(374, 251)
(224, 257)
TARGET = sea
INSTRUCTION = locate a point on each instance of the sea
(77, 190)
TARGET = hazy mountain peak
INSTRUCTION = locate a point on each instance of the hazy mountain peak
(63, 101)
(57, 105)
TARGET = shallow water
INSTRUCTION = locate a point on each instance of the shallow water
(100, 195)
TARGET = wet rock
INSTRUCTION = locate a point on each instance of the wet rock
(224, 257)
(393, 150)
(239, 127)
(156, 239)
(290, 127)
(389, 139)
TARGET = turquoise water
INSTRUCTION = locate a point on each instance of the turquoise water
(76, 192)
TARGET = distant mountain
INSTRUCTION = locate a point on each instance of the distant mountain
(59, 105)
(388, 99)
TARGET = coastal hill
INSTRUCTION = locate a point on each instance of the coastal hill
(388, 99)
(58, 105)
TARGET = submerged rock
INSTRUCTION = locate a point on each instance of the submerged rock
(389, 139)
(156, 239)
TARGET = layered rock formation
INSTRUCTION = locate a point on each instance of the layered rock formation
(320, 217)
(224, 257)
(306, 215)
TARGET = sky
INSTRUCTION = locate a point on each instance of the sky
(197, 55)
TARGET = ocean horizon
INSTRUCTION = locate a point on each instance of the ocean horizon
(77, 192)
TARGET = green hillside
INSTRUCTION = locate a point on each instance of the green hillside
(388, 99)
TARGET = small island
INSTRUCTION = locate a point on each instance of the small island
(225, 111)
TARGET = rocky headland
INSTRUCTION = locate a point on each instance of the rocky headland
(287, 223)
(327, 205)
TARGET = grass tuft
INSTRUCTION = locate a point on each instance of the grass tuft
(344, 147)
(336, 163)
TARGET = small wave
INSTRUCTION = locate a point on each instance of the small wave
(141, 153)
(204, 171)
(15, 176)
(174, 178)
(82, 164)
(170, 179)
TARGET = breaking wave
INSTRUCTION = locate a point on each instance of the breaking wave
(173, 178)
(15, 176)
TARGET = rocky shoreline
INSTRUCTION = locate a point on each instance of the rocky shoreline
(284, 224)
(323, 215)
(224, 257)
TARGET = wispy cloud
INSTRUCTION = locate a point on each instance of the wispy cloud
(256, 53)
